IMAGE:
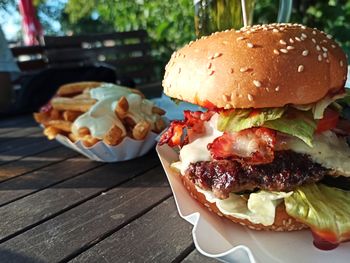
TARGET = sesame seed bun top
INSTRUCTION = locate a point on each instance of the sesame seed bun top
(260, 66)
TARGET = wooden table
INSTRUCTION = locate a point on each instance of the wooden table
(58, 206)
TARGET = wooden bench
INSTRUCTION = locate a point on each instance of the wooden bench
(128, 52)
(30, 58)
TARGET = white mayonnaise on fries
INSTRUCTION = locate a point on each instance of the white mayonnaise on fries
(101, 117)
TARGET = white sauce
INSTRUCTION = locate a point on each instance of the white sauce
(328, 150)
(101, 116)
(259, 209)
(197, 151)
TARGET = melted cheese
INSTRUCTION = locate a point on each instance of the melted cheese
(197, 151)
(101, 116)
(328, 150)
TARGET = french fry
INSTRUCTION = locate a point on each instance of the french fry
(158, 111)
(69, 115)
(129, 122)
(82, 105)
(55, 114)
(60, 125)
(51, 132)
(114, 136)
(41, 117)
(140, 130)
(83, 131)
(73, 137)
(122, 108)
(89, 140)
(75, 88)
(82, 96)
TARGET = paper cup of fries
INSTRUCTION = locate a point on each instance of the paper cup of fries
(103, 121)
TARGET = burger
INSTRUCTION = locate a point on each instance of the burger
(269, 150)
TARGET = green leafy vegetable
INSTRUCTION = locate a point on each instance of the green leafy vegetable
(326, 210)
(295, 123)
(238, 120)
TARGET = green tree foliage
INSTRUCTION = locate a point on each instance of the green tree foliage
(169, 23)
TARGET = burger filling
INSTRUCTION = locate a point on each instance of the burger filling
(276, 154)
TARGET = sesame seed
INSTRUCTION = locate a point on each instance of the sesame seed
(327, 60)
(314, 32)
(290, 47)
(324, 54)
(333, 46)
(341, 63)
(257, 83)
(329, 36)
(277, 88)
(283, 42)
(300, 68)
(250, 45)
(313, 40)
(303, 27)
(305, 52)
(211, 72)
(244, 69)
(283, 50)
(216, 55)
(232, 95)
(297, 39)
(319, 58)
(227, 106)
(179, 70)
(275, 30)
(303, 35)
(291, 40)
(324, 49)
(318, 48)
(240, 38)
(224, 42)
(250, 97)
(265, 29)
(231, 70)
(209, 65)
(276, 52)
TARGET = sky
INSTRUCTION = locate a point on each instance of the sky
(10, 20)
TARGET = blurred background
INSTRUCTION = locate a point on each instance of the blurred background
(169, 24)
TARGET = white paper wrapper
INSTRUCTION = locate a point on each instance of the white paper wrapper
(101, 152)
(219, 238)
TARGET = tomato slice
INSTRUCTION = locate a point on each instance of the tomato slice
(329, 121)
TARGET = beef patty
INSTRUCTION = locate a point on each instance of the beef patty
(287, 171)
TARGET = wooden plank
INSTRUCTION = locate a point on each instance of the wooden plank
(43, 178)
(158, 236)
(31, 210)
(87, 223)
(195, 257)
(13, 144)
(25, 147)
(19, 133)
(13, 123)
(26, 50)
(34, 162)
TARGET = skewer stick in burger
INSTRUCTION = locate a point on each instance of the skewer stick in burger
(270, 151)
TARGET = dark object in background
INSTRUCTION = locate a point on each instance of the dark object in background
(36, 90)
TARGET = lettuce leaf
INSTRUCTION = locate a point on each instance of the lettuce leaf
(241, 119)
(326, 210)
(295, 123)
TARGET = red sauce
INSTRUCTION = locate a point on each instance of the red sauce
(46, 108)
(323, 244)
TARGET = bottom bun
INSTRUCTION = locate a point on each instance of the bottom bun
(283, 222)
